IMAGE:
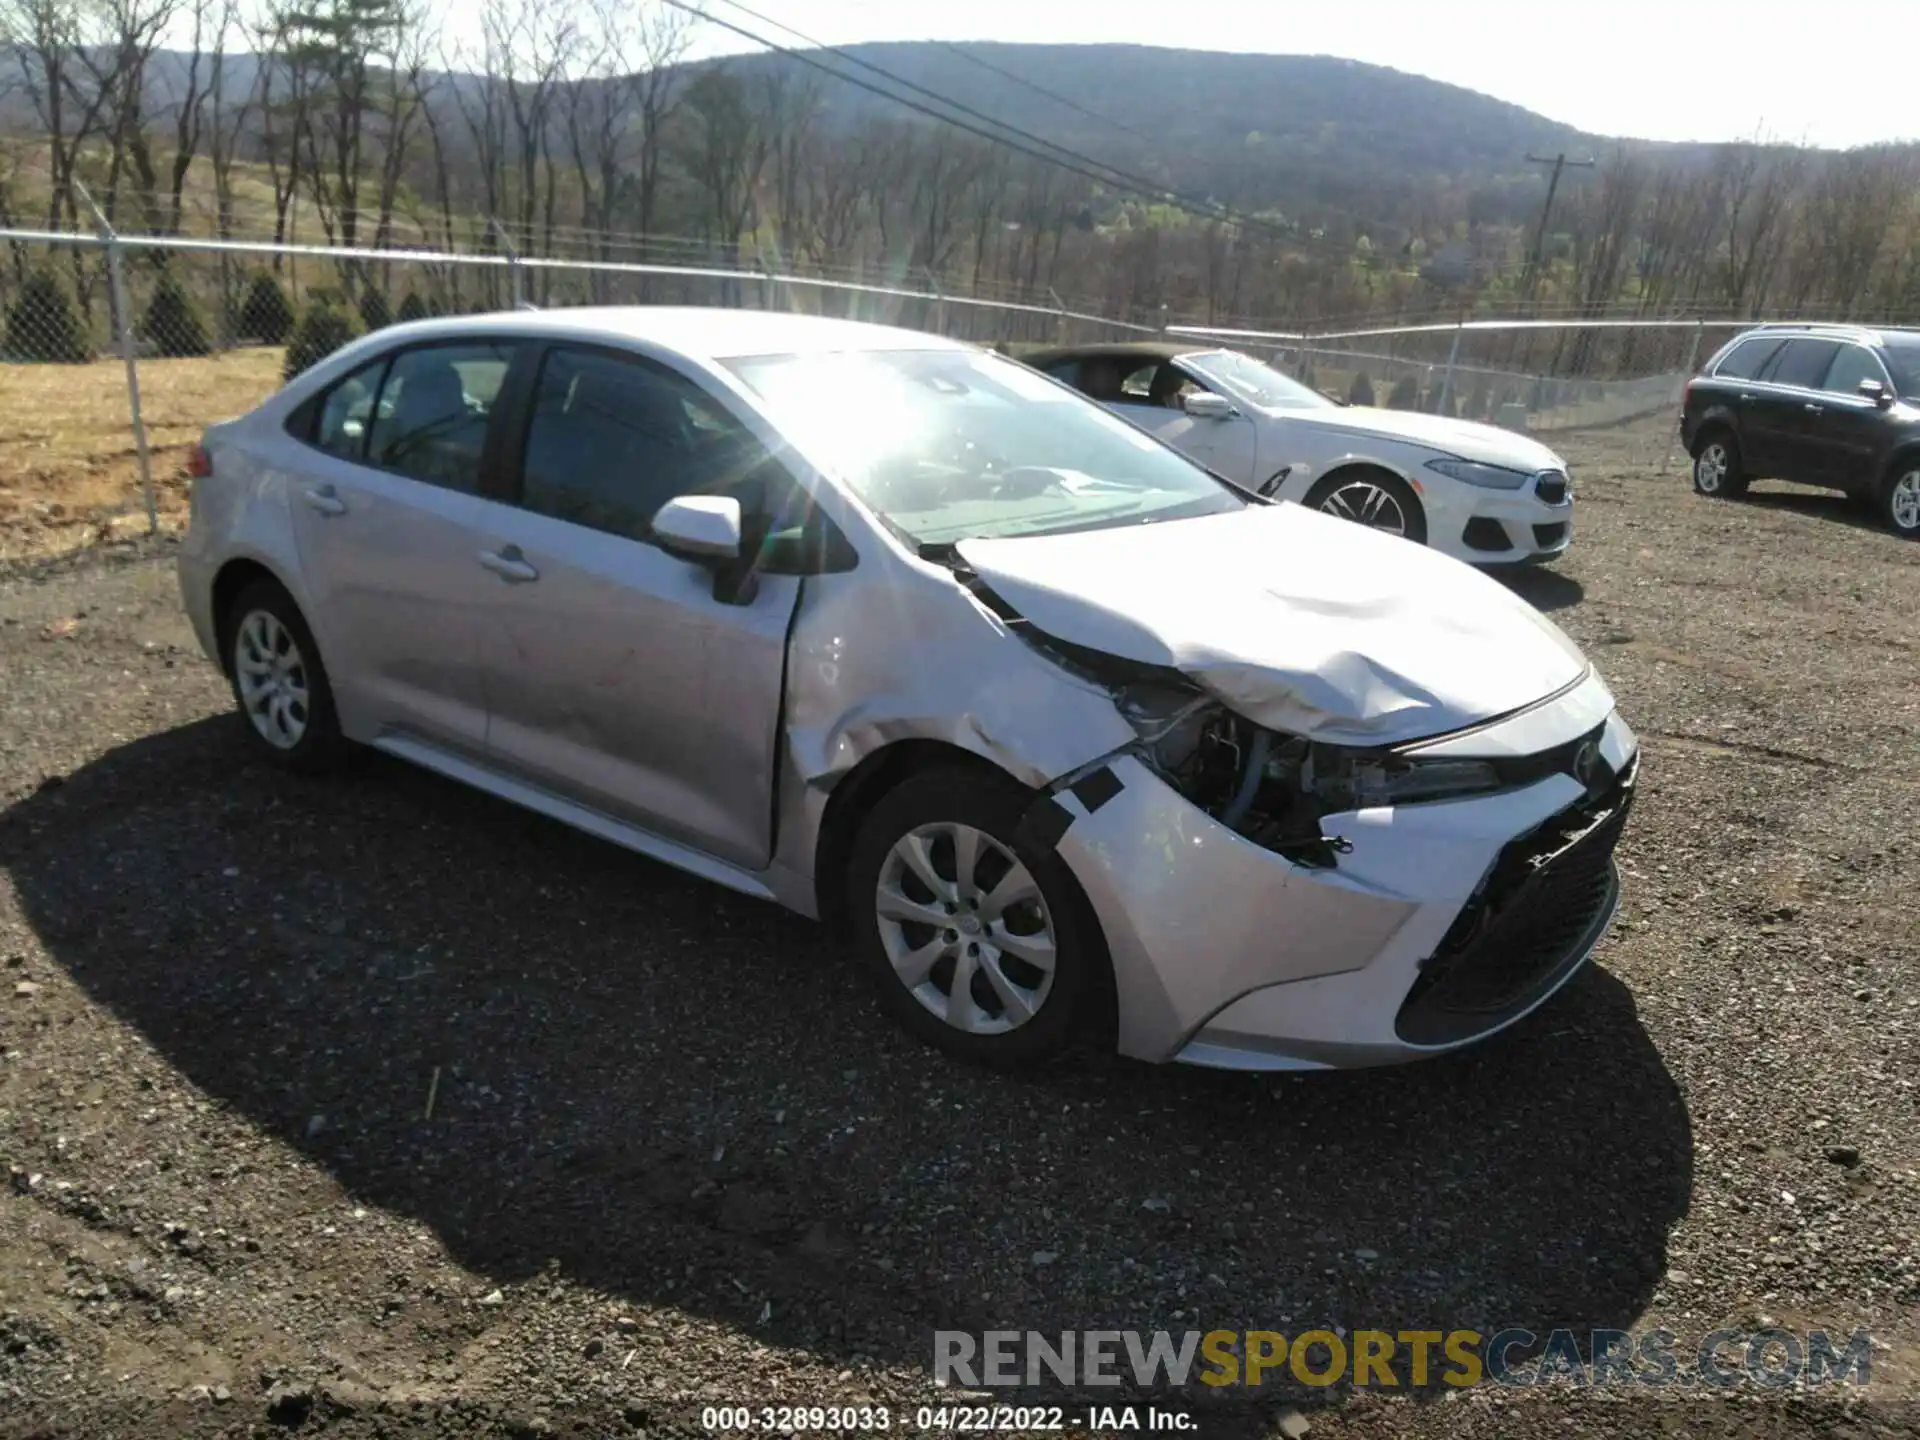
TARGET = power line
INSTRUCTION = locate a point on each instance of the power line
(1052, 95)
(1073, 160)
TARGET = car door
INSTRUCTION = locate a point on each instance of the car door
(1843, 439)
(1781, 422)
(1228, 445)
(620, 679)
(385, 514)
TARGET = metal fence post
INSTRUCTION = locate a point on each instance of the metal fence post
(939, 302)
(123, 322)
(1453, 358)
(516, 277)
(1059, 316)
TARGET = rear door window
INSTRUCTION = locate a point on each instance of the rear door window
(431, 422)
(1803, 363)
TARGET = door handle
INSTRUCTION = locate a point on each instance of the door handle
(1746, 399)
(324, 499)
(509, 564)
(1813, 409)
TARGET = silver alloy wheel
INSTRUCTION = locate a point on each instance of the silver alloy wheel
(272, 679)
(966, 928)
(1904, 503)
(1367, 504)
(1710, 468)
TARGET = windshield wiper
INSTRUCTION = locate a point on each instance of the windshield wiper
(941, 552)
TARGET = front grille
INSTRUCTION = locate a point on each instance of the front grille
(1550, 535)
(1533, 917)
(1483, 533)
(1552, 487)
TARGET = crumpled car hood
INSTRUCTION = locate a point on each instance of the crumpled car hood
(1293, 619)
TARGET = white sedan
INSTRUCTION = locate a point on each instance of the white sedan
(1473, 491)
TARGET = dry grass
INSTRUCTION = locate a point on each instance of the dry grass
(69, 473)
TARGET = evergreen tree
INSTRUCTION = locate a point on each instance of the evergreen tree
(322, 330)
(42, 325)
(172, 324)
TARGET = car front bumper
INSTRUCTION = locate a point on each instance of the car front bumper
(1502, 527)
(1225, 954)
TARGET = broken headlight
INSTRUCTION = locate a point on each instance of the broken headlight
(1361, 780)
(1274, 789)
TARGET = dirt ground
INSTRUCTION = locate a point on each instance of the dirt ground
(69, 470)
(675, 1155)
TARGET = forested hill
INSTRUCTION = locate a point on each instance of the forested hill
(1298, 133)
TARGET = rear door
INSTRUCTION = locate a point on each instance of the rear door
(1784, 416)
(386, 513)
(618, 678)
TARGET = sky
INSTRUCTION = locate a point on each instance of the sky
(1681, 70)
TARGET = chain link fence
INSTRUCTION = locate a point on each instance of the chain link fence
(117, 350)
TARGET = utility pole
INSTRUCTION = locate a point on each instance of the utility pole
(1559, 163)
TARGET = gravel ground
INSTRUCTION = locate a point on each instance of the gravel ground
(676, 1156)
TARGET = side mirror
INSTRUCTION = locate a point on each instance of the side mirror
(1877, 392)
(1205, 405)
(705, 529)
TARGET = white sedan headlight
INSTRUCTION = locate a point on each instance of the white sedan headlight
(1487, 477)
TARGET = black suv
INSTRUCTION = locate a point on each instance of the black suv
(1831, 405)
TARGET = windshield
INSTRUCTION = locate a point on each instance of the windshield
(948, 445)
(1263, 385)
(1902, 354)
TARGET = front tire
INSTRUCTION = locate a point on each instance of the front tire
(1900, 501)
(1717, 472)
(1373, 498)
(979, 940)
(279, 685)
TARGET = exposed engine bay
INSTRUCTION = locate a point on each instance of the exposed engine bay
(1269, 787)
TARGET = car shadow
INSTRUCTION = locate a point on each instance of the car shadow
(1830, 505)
(687, 1098)
(1544, 589)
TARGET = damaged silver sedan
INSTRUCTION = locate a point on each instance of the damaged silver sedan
(1075, 738)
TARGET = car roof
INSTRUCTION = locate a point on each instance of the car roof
(1839, 330)
(1140, 350)
(706, 332)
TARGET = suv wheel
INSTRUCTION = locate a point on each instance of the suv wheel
(1900, 505)
(979, 940)
(1716, 467)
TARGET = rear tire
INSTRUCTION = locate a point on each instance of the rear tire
(979, 940)
(1900, 500)
(1717, 471)
(1377, 499)
(279, 684)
